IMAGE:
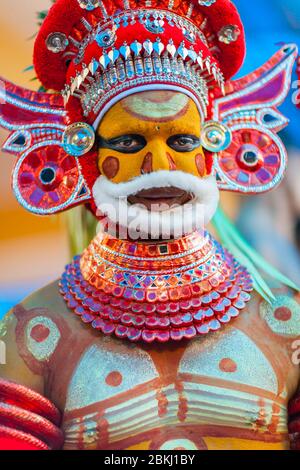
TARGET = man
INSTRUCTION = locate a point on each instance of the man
(154, 338)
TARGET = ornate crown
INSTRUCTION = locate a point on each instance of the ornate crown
(101, 51)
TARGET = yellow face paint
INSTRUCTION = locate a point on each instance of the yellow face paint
(155, 116)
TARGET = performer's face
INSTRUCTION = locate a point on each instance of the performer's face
(148, 132)
(149, 146)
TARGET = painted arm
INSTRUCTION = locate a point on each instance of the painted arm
(28, 421)
(294, 421)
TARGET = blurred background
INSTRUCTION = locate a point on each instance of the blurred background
(34, 250)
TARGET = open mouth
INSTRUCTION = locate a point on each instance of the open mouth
(161, 198)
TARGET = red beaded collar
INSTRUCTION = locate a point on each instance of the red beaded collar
(156, 292)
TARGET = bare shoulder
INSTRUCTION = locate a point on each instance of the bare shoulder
(284, 309)
(48, 297)
(32, 334)
(281, 314)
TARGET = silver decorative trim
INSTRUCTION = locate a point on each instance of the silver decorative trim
(28, 105)
(206, 3)
(116, 69)
(103, 10)
(190, 11)
(199, 89)
(86, 24)
(143, 17)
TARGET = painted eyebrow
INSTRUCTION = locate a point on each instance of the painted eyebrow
(177, 136)
(104, 142)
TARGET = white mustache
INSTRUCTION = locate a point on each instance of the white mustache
(111, 200)
(158, 179)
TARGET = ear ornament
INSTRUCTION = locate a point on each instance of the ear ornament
(215, 136)
(78, 139)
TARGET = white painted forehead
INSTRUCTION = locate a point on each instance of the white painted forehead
(182, 96)
(156, 104)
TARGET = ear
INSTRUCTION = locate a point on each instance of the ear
(46, 179)
(256, 160)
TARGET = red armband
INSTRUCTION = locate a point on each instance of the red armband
(294, 423)
(28, 421)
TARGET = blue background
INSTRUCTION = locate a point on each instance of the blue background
(268, 23)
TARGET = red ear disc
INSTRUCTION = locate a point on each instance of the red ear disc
(47, 180)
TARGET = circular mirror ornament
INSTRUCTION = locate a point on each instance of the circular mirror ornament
(229, 34)
(106, 38)
(78, 139)
(215, 137)
(57, 42)
(47, 175)
(88, 5)
(206, 3)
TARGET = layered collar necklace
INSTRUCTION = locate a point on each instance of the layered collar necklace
(156, 292)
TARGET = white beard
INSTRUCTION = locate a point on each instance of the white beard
(175, 222)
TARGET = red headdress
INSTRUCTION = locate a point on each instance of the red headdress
(97, 52)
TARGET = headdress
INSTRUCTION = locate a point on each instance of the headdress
(97, 52)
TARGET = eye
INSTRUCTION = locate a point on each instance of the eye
(124, 143)
(183, 143)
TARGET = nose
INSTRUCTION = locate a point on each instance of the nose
(160, 157)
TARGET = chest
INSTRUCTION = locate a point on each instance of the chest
(224, 386)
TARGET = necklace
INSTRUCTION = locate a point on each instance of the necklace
(156, 292)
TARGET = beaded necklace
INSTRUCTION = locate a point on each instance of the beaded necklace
(156, 292)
